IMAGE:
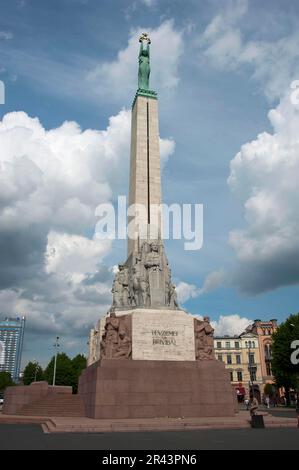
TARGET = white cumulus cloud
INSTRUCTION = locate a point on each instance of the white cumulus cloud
(51, 182)
(274, 63)
(230, 325)
(187, 291)
(264, 176)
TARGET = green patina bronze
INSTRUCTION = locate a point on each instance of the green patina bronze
(144, 70)
(144, 63)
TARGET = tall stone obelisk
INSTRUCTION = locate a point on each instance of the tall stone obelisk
(145, 173)
(148, 357)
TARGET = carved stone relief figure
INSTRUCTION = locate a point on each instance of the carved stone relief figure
(123, 277)
(153, 258)
(117, 339)
(145, 280)
(140, 283)
(154, 265)
(116, 292)
(204, 343)
(124, 346)
(173, 299)
(110, 337)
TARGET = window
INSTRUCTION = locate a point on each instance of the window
(238, 359)
(229, 359)
(227, 344)
(253, 344)
(218, 344)
(237, 344)
(268, 368)
(268, 352)
(253, 376)
(240, 376)
(251, 358)
(219, 357)
(231, 376)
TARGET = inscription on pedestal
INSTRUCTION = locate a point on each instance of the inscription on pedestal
(162, 335)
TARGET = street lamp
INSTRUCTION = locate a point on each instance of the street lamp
(251, 369)
(36, 367)
(56, 346)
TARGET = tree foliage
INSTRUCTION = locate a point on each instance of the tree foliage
(79, 363)
(269, 390)
(67, 370)
(32, 372)
(5, 380)
(285, 372)
(64, 370)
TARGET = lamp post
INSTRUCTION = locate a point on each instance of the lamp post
(56, 346)
(251, 369)
(35, 371)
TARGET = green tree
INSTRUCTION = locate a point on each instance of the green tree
(68, 370)
(285, 372)
(79, 363)
(5, 380)
(64, 370)
(269, 390)
(32, 373)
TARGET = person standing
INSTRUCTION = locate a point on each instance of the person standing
(254, 406)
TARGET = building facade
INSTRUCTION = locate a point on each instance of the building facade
(11, 345)
(248, 357)
(242, 358)
(264, 330)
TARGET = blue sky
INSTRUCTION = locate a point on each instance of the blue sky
(219, 68)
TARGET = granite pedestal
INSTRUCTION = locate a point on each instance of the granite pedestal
(112, 388)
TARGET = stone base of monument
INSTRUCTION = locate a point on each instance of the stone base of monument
(112, 388)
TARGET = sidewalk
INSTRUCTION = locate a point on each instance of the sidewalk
(66, 425)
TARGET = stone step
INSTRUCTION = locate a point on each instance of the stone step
(52, 427)
(55, 405)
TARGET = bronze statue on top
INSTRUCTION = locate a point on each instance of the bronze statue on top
(144, 63)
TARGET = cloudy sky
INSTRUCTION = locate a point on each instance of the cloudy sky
(229, 140)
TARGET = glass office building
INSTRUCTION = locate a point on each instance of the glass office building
(11, 345)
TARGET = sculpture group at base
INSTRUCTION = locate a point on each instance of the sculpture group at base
(116, 341)
(145, 280)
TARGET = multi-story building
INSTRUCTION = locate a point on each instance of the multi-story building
(252, 373)
(11, 345)
(264, 330)
(241, 357)
(248, 357)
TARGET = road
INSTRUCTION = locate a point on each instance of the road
(14, 436)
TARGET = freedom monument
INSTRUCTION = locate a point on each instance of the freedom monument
(147, 357)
